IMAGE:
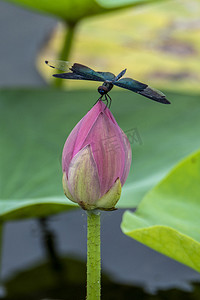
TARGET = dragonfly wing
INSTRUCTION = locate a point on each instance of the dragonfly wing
(76, 69)
(71, 76)
(142, 89)
(107, 76)
(59, 64)
(86, 72)
(154, 94)
(130, 84)
(120, 74)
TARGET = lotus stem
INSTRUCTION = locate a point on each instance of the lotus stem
(1, 246)
(93, 256)
(66, 48)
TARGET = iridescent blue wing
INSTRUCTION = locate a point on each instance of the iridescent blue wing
(142, 89)
(107, 75)
(120, 74)
(71, 75)
(82, 72)
(86, 72)
(91, 74)
(154, 94)
(130, 84)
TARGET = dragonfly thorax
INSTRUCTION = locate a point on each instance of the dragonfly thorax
(105, 88)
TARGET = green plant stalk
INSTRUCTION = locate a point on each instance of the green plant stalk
(1, 245)
(93, 256)
(66, 48)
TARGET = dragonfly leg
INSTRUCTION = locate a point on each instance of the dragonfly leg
(98, 100)
(110, 101)
(106, 99)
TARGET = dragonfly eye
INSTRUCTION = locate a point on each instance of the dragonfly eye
(102, 90)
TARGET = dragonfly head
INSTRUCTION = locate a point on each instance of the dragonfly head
(103, 90)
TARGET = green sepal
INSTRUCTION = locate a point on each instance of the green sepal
(110, 199)
(65, 188)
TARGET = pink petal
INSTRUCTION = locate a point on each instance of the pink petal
(128, 158)
(75, 140)
(107, 146)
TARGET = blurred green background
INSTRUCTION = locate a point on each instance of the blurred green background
(159, 44)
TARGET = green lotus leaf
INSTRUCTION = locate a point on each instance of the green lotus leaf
(34, 125)
(73, 11)
(167, 219)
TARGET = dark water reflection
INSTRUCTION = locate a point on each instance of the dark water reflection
(132, 270)
(42, 282)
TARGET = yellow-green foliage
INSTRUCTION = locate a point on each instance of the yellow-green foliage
(158, 44)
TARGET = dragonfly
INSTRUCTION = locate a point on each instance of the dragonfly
(82, 72)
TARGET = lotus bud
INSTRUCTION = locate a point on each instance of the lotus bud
(96, 160)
